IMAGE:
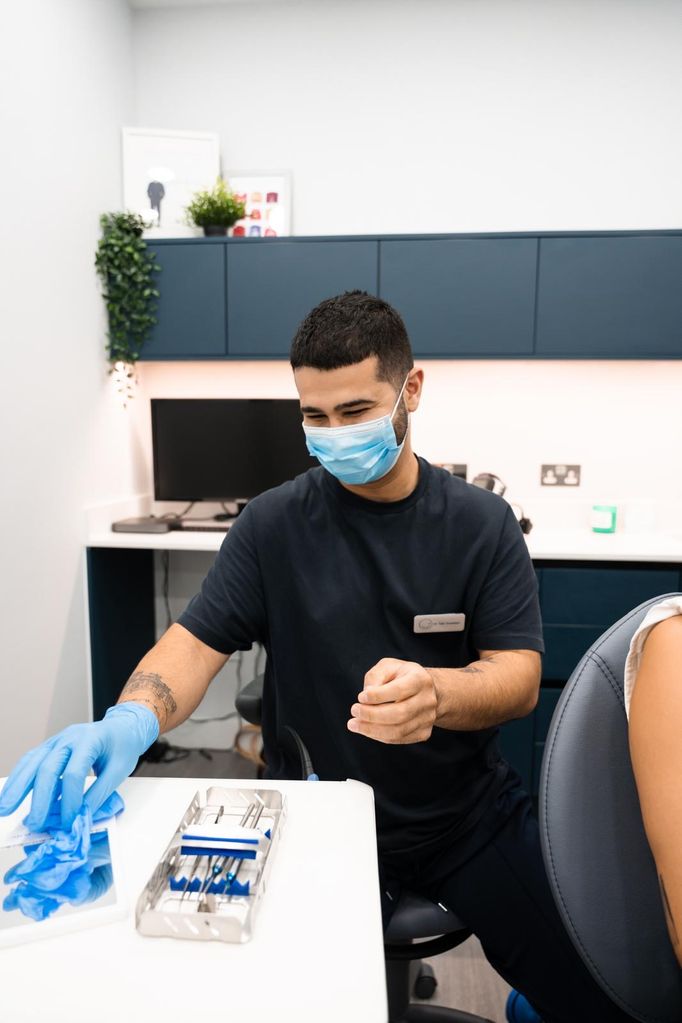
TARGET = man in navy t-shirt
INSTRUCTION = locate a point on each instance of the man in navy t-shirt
(398, 607)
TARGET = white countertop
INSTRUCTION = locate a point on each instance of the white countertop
(584, 545)
(560, 533)
(549, 544)
(317, 949)
(175, 540)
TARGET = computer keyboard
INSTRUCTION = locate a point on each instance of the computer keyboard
(203, 525)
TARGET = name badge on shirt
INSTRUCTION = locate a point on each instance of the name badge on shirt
(453, 622)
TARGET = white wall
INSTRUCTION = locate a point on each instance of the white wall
(66, 82)
(453, 115)
(433, 115)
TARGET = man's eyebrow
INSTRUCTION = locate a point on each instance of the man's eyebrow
(309, 409)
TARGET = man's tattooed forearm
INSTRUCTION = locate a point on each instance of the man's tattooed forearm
(668, 912)
(150, 688)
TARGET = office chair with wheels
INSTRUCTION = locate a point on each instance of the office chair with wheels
(414, 919)
(601, 870)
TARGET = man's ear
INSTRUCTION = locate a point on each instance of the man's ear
(413, 389)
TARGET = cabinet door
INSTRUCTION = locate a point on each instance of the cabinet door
(565, 646)
(462, 296)
(516, 746)
(272, 285)
(191, 310)
(600, 596)
(618, 297)
(579, 604)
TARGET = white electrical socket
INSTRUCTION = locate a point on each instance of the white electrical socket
(559, 475)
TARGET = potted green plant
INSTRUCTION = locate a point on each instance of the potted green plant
(216, 210)
(126, 268)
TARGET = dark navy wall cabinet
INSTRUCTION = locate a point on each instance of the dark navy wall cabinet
(271, 287)
(542, 295)
(191, 311)
(614, 297)
(462, 296)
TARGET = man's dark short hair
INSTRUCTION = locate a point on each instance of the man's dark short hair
(350, 328)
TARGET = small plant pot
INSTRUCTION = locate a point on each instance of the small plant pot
(215, 230)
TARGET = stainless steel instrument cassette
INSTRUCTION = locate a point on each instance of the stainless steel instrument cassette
(211, 879)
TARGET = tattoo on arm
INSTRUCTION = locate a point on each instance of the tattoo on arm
(147, 687)
(668, 912)
(474, 669)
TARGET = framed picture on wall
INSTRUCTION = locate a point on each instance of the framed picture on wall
(267, 196)
(161, 171)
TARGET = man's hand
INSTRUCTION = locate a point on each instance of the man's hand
(398, 703)
(402, 701)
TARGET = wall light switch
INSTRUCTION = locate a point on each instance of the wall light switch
(556, 475)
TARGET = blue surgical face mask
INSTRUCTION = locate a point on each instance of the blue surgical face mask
(359, 453)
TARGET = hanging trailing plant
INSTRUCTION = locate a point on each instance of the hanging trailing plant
(126, 268)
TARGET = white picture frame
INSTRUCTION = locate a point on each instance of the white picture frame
(265, 217)
(161, 171)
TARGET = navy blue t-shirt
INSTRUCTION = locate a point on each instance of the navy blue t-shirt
(329, 583)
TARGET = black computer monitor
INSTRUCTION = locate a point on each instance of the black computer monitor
(208, 449)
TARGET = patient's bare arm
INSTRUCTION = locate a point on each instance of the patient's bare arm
(656, 750)
(173, 677)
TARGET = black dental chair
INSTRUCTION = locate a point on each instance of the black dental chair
(600, 868)
(418, 928)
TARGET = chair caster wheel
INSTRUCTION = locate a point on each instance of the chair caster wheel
(425, 984)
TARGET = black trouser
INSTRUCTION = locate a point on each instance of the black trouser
(502, 894)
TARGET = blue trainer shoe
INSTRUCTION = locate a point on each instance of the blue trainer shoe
(519, 1009)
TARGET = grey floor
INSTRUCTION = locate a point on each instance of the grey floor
(212, 763)
(465, 980)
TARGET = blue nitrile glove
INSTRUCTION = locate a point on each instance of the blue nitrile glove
(48, 864)
(70, 868)
(112, 806)
(58, 767)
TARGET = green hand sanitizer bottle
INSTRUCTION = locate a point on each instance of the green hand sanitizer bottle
(603, 518)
